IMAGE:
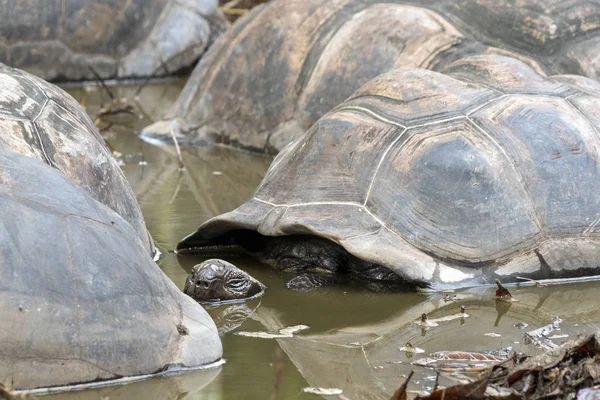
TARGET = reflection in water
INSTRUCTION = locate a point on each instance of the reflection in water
(228, 317)
(354, 335)
(160, 387)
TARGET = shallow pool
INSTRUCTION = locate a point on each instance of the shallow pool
(354, 337)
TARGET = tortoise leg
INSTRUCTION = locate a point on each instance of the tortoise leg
(309, 281)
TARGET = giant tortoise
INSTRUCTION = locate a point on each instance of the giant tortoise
(279, 69)
(80, 298)
(487, 171)
(40, 120)
(67, 39)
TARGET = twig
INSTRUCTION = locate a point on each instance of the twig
(154, 74)
(234, 11)
(181, 165)
(119, 109)
(437, 378)
(536, 283)
(176, 188)
(101, 81)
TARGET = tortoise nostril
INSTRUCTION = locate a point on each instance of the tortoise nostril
(203, 284)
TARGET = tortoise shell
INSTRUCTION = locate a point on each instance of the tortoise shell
(62, 39)
(80, 298)
(287, 63)
(40, 120)
(489, 170)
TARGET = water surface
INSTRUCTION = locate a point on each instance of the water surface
(354, 336)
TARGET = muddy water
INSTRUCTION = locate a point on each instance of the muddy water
(354, 336)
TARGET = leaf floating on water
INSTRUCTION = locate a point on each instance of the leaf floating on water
(290, 330)
(283, 333)
(323, 391)
(458, 360)
(502, 293)
(264, 335)
(450, 317)
(409, 348)
(491, 334)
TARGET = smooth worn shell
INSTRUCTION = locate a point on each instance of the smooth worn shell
(80, 298)
(487, 171)
(63, 39)
(269, 78)
(39, 120)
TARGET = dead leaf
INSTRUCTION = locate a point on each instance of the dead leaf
(502, 293)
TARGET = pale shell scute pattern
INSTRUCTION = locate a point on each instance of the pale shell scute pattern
(470, 176)
(40, 120)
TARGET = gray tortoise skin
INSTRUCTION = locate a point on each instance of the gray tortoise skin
(486, 171)
(80, 298)
(279, 69)
(215, 281)
(62, 39)
(40, 120)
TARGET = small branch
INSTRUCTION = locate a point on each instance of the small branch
(101, 81)
(181, 165)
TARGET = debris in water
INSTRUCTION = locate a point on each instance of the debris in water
(450, 297)
(263, 335)
(290, 330)
(409, 348)
(459, 360)
(322, 391)
(425, 322)
(569, 371)
(283, 333)
(521, 325)
(556, 321)
(461, 315)
(558, 336)
(502, 293)
(540, 337)
(535, 283)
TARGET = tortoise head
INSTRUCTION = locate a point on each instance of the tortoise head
(217, 280)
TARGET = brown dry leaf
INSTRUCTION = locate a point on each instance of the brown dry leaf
(502, 293)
